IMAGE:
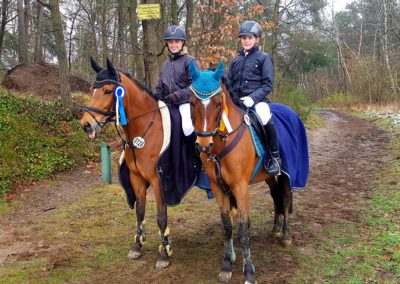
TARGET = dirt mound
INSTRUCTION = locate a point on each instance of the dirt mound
(41, 80)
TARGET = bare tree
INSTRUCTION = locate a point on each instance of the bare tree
(22, 36)
(65, 88)
(150, 49)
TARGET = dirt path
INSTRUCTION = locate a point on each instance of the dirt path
(343, 158)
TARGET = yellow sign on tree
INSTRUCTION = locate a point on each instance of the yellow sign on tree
(149, 11)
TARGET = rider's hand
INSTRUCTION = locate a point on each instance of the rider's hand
(247, 101)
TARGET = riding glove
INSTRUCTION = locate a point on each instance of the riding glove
(247, 101)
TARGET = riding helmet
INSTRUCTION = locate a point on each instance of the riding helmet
(175, 32)
(249, 28)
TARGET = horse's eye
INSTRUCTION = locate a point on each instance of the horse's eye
(107, 92)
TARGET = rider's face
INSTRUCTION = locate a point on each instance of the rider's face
(248, 42)
(175, 45)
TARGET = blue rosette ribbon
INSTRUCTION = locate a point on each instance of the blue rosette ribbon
(119, 93)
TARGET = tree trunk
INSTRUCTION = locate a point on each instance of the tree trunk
(150, 48)
(174, 12)
(22, 46)
(4, 7)
(275, 30)
(137, 61)
(38, 50)
(189, 16)
(65, 88)
(385, 46)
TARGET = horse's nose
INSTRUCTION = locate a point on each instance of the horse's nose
(206, 149)
(87, 127)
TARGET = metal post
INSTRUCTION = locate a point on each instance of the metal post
(106, 163)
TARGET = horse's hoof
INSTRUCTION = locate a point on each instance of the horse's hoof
(134, 254)
(277, 234)
(224, 276)
(286, 243)
(248, 282)
(162, 264)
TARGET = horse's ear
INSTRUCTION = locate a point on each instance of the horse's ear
(96, 67)
(111, 68)
(219, 71)
(193, 70)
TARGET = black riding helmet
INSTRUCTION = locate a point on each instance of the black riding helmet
(249, 28)
(175, 32)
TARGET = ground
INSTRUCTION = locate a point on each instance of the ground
(40, 80)
(344, 156)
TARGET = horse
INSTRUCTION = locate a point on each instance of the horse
(229, 157)
(112, 91)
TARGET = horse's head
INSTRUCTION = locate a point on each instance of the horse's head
(101, 108)
(206, 104)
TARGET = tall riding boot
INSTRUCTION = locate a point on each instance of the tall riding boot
(273, 166)
(191, 151)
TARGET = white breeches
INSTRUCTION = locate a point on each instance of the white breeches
(263, 111)
(187, 124)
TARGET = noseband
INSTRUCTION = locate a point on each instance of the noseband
(109, 115)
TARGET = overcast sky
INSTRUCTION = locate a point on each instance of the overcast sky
(339, 5)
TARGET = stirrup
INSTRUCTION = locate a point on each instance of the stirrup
(273, 170)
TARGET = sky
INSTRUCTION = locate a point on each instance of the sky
(339, 5)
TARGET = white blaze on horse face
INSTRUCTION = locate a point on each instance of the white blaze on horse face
(205, 105)
(94, 92)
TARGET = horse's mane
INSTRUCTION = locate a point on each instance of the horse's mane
(137, 82)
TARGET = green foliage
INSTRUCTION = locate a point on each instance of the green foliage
(297, 100)
(38, 139)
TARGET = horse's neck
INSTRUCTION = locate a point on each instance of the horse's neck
(138, 105)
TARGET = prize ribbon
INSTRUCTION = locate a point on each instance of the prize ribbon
(119, 93)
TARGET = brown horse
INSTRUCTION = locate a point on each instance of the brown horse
(229, 159)
(143, 120)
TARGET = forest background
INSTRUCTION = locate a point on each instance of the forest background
(317, 52)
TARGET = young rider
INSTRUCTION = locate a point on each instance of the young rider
(174, 82)
(251, 79)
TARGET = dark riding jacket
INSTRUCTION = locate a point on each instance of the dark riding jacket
(252, 75)
(174, 82)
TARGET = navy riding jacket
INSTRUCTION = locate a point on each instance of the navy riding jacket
(174, 82)
(251, 74)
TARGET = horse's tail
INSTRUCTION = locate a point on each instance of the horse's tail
(282, 189)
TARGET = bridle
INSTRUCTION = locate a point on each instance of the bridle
(109, 115)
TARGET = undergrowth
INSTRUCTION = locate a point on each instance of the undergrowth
(38, 139)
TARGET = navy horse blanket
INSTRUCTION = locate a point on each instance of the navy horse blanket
(293, 144)
(175, 170)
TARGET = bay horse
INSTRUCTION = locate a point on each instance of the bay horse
(229, 158)
(143, 120)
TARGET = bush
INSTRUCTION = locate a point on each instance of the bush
(38, 139)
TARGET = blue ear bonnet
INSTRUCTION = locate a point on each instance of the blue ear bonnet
(206, 84)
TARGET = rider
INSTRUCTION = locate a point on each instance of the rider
(251, 79)
(174, 82)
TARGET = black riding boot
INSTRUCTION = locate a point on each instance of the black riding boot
(191, 151)
(273, 166)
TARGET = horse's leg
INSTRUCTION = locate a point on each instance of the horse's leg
(241, 194)
(162, 221)
(229, 256)
(278, 207)
(139, 185)
(287, 208)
